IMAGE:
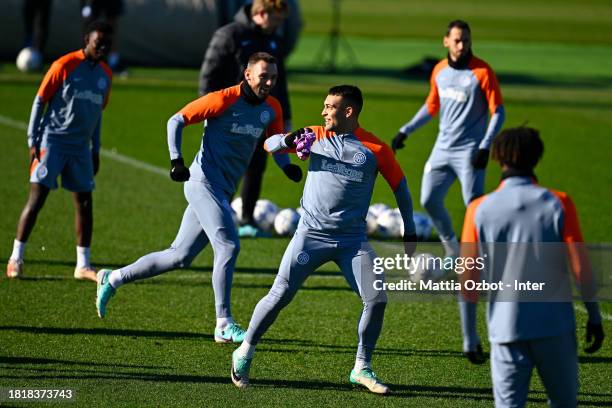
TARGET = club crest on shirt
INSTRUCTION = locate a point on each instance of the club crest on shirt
(359, 158)
(303, 258)
(264, 117)
(465, 80)
(42, 171)
(102, 84)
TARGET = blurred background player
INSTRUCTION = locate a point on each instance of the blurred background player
(524, 335)
(65, 139)
(463, 89)
(109, 11)
(253, 30)
(341, 174)
(237, 117)
(36, 15)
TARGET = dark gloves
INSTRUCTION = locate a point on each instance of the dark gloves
(477, 356)
(291, 138)
(293, 172)
(95, 158)
(480, 159)
(410, 243)
(398, 141)
(178, 171)
(595, 336)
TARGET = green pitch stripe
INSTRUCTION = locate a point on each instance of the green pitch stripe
(109, 154)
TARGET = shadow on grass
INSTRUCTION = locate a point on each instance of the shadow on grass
(399, 390)
(13, 360)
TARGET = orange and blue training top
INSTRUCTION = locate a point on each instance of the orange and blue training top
(76, 91)
(464, 98)
(518, 228)
(342, 172)
(234, 124)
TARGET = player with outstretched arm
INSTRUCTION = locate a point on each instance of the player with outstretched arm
(236, 119)
(344, 162)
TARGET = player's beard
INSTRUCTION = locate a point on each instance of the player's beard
(462, 62)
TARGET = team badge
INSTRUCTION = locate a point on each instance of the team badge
(102, 84)
(303, 258)
(359, 158)
(42, 171)
(264, 117)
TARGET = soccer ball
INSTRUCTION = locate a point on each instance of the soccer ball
(377, 209)
(423, 225)
(427, 267)
(373, 212)
(264, 214)
(237, 207)
(29, 59)
(286, 222)
(390, 224)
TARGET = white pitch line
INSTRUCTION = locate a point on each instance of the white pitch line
(110, 154)
(604, 315)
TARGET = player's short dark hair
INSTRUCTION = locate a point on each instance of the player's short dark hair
(261, 56)
(279, 6)
(463, 25)
(519, 148)
(350, 93)
(100, 26)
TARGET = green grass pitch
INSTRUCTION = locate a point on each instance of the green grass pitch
(155, 347)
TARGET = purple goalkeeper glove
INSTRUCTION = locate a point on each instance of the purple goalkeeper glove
(303, 144)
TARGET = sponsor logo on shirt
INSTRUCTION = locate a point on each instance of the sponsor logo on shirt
(455, 94)
(246, 130)
(343, 170)
(89, 96)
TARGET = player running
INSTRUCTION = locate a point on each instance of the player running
(344, 162)
(463, 89)
(540, 333)
(236, 118)
(65, 139)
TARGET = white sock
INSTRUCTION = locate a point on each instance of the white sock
(223, 322)
(361, 364)
(246, 350)
(82, 257)
(451, 247)
(115, 278)
(18, 250)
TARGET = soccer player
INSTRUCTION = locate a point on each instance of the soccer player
(463, 89)
(253, 30)
(523, 335)
(344, 162)
(236, 118)
(65, 139)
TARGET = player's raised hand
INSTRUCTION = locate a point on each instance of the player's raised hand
(303, 144)
(178, 171)
(293, 172)
(480, 159)
(398, 141)
(594, 336)
(476, 356)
